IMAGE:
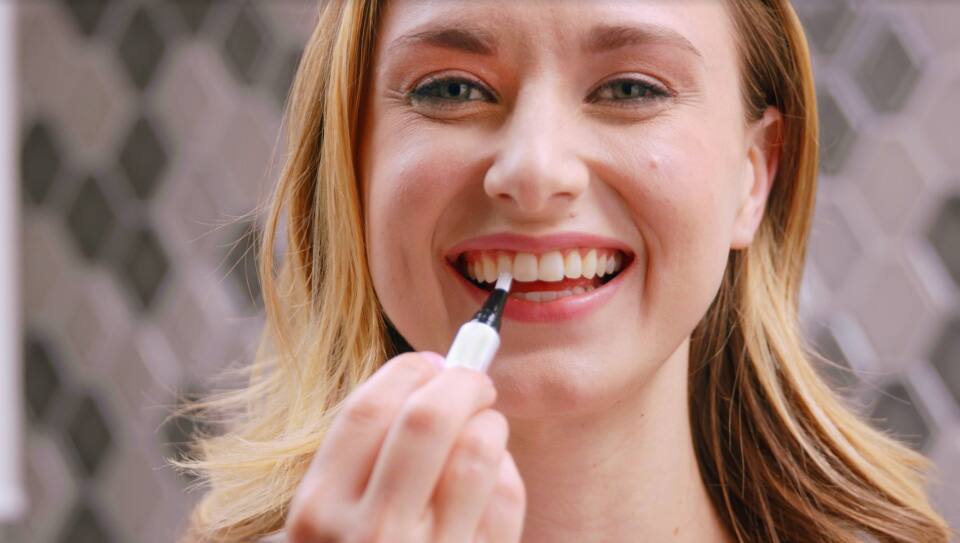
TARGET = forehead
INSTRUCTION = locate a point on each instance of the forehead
(492, 27)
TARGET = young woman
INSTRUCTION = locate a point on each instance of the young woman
(663, 155)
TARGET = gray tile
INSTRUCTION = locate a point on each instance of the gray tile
(896, 412)
(51, 487)
(944, 235)
(47, 259)
(141, 47)
(144, 266)
(284, 75)
(41, 160)
(143, 158)
(87, 14)
(946, 357)
(826, 22)
(89, 432)
(939, 120)
(888, 74)
(837, 134)
(90, 219)
(890, 304)
(41, 375)
(242, 264)
(836, 370)
(85, 526)
(192, 12)
(834, 246)
(891, 183)
(246, 43)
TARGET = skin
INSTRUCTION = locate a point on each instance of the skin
(538, 142)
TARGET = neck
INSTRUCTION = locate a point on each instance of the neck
(628, 473)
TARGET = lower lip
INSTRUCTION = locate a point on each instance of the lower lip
(568, 307)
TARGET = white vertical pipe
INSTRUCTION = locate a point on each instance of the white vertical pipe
(12, 497)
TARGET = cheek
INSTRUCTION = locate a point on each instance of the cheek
(678, 189)
(408, 185)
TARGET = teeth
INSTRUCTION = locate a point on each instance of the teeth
(486, 266)
(489, 269)
(571, 265)
(551, 266)
(504, 263)
(525, 267)
(550, 295)
(589, 266)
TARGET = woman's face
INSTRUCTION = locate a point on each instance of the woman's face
(529, 134)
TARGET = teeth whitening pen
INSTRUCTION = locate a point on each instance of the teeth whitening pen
(477, 340)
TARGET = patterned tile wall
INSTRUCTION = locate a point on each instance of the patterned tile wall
(147, 135)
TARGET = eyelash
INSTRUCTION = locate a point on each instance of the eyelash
(651, 91)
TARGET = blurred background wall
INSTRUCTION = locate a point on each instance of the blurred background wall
(146, 131)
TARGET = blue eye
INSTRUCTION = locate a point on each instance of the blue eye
(449, 89)
(631, 90)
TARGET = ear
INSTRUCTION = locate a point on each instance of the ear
(764, 138)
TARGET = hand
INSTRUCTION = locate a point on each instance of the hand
(415, 455)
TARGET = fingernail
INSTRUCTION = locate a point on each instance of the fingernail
(434, 358)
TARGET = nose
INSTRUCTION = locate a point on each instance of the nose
(537, 174)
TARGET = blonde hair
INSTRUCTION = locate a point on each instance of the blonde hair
(782, 457)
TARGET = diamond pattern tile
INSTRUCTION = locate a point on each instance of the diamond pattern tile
(896, 412)
(192, 12)
(945, 236)
(41, 378)
(946, 357)
(940, 118)
(90, 219)
(839, 374)
(837, 134)
(834, 246)
(41, 161)
(242, 265)
(246, 43)
(141, 47)
(826, 22)
(893, 309)
(85, 526)
(50, 488)
(143, 158)
(89, 432)
(284, 77)
(87, 14)
(891, 184)
(144, 267)
(888, 73)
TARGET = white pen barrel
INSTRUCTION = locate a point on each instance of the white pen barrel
(474, 347)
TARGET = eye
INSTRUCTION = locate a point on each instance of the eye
(630, 90)
(450, 90)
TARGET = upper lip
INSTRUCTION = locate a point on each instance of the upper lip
(509, 241)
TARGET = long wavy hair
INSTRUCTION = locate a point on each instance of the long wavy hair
(783, 458)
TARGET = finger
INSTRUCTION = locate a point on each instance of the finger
(419, 442)
(350, 448)
(502, 520)
(469, 476)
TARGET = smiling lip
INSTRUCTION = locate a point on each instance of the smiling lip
(569, 307)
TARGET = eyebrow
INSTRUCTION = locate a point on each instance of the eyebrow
(604, 37)
(601, 38)
(462, 37)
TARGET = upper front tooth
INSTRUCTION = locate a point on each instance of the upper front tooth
(525, 267)
(589, 265)
(571, 264)
(551, 266)
(611, 264)
(504, 264)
